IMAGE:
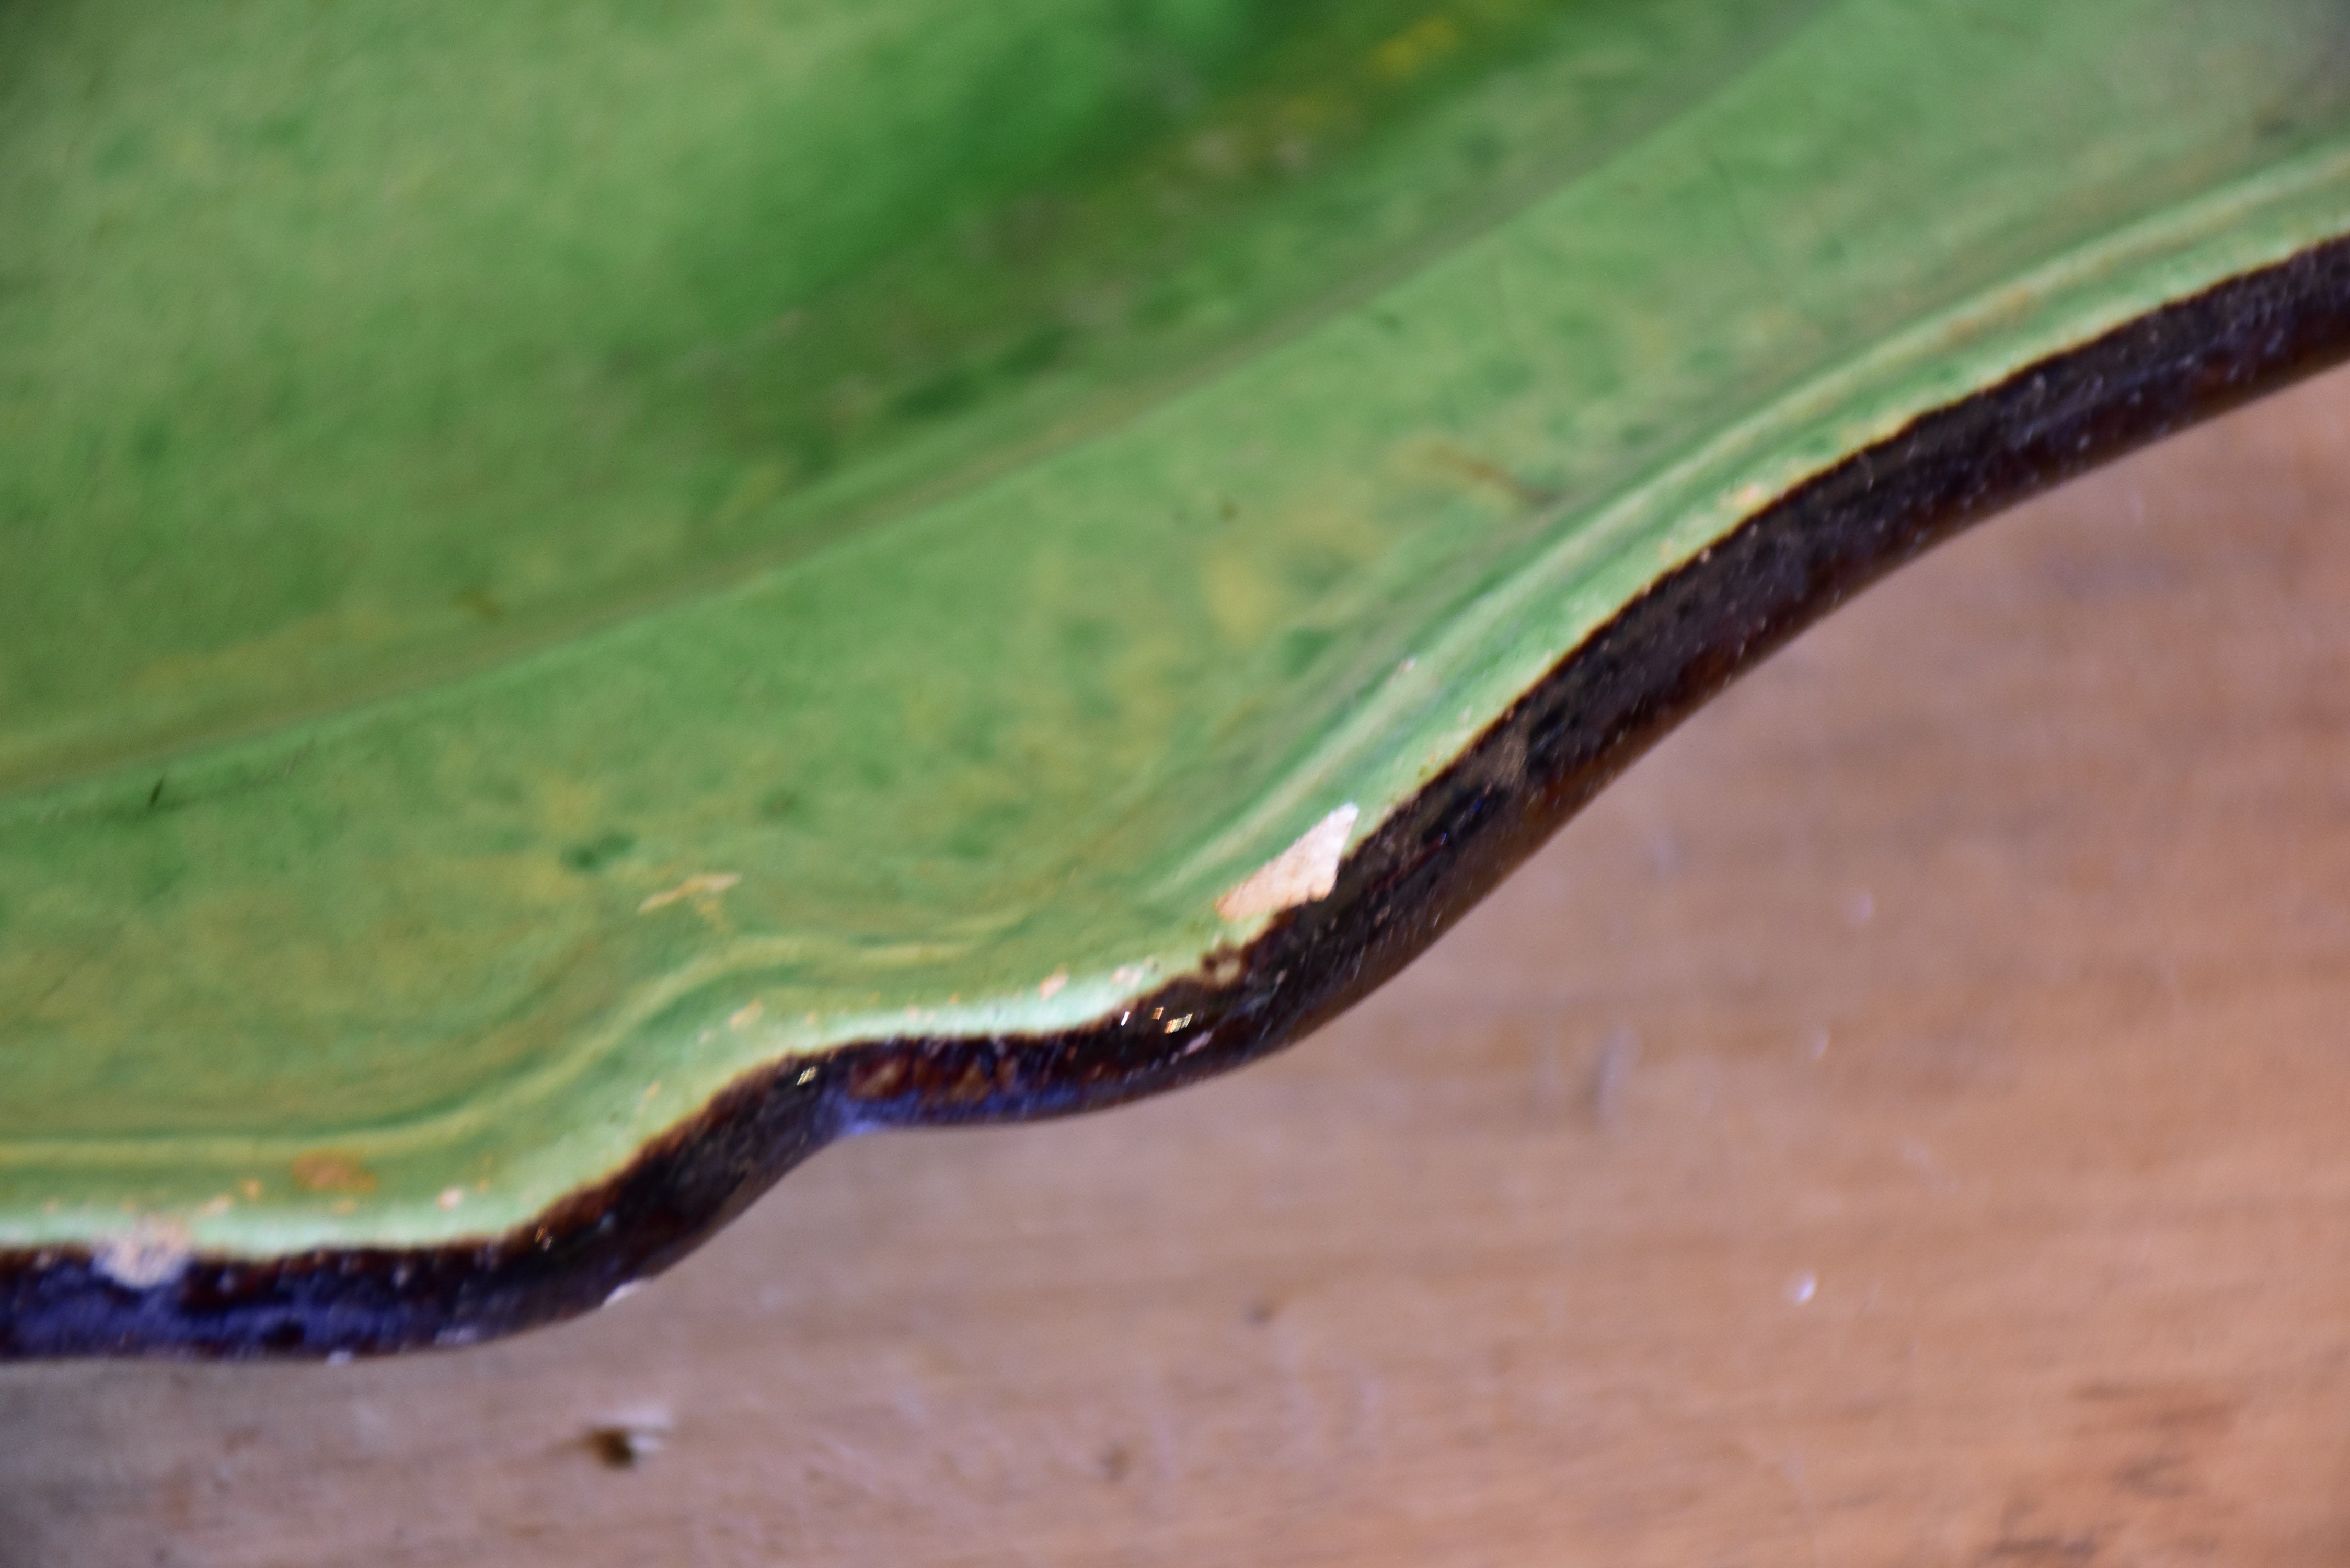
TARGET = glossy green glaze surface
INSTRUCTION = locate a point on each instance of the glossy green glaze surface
(551, 555)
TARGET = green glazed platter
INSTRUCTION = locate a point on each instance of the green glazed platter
(595, 593)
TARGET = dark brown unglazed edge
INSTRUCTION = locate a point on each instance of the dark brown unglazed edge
(1597, 709)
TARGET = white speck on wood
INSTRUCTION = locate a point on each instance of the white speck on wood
(1300, 874)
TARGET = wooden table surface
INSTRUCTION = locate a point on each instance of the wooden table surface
(1901, 1123)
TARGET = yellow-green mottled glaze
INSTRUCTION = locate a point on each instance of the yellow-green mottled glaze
(552, 554)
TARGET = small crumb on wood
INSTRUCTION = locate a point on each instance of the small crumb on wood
(627, 1440)
(1300, 874)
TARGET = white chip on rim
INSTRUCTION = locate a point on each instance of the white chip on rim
(1300, 874)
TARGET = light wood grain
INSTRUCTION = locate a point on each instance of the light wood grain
(1901, 1123)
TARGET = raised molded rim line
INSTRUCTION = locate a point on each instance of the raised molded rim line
(1713, 485)
(1597, 708)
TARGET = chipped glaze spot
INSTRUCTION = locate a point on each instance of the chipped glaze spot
(701, 885)
(153, 1252)
(1300, 874)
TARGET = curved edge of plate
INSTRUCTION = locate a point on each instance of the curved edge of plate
(1596, 709)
